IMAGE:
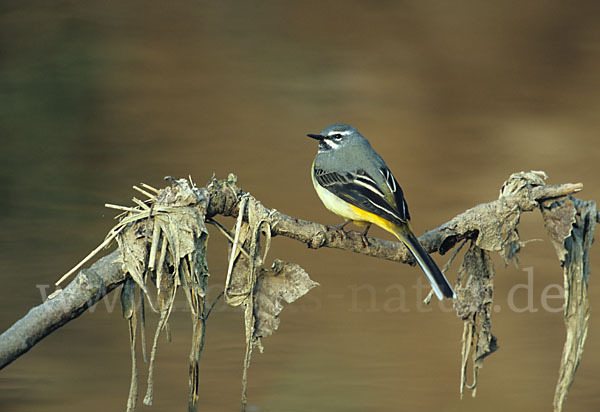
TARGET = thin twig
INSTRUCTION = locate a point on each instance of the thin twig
(147, 194)
(145, 186)
(102, 245)
(228, 235)
(213, 304)
(140, 203)
(123, 208)
(235, 242)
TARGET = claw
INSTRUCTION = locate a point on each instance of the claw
(363, 234)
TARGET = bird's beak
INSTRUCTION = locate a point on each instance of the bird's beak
(316, 136)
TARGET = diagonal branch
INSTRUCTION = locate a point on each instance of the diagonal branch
(83, 292)
(90, 285)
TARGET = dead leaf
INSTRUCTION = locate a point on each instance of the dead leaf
(284, 281)
(559, 217)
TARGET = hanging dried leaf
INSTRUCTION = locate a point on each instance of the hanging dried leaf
(559, 216)
(238, 283)
(128, 310)
(259, 291)
(132, 246)
(474, 305)
(128, 298)
(284, 281)
(576, 271)
(164, 239)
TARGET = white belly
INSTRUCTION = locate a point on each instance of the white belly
(335, 204)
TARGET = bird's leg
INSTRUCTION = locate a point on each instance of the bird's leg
(363, 235)
(340, 227)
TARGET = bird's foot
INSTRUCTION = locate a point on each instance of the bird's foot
(340, 228)
(363, 236)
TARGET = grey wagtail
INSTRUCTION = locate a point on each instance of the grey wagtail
(354, 182)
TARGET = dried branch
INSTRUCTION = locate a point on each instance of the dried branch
(152, 248)
(84, 291)
(480, 222)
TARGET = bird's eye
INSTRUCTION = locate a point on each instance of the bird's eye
(337, 136)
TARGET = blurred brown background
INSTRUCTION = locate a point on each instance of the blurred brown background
(98, 96)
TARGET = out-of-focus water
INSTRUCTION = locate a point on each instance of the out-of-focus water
(98, 96)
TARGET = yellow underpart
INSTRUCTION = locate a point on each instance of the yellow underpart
(376, 220)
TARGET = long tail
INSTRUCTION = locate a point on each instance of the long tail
(438, 281)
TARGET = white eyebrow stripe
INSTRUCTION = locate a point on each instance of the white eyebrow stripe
(343, 132)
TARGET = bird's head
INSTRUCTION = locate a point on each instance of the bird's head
(336, 136)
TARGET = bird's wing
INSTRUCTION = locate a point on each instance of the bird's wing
(396, 191)
(362, 190)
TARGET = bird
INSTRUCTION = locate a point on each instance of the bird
(353, 181)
